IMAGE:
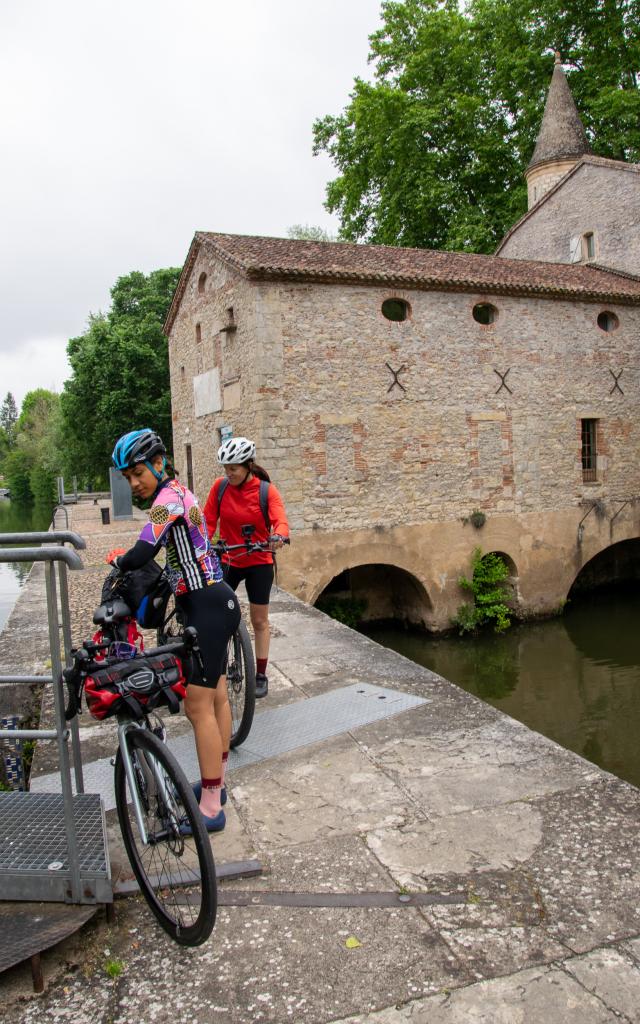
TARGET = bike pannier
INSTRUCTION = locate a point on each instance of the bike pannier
(136, 686)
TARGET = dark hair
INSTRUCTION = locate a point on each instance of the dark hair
(257, 470)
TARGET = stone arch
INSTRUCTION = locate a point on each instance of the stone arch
(615, 564)
(391, 591)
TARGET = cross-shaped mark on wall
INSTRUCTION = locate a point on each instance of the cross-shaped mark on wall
(616, 378)
(395, 378)
(503, 380)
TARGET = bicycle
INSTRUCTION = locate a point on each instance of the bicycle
(161, 824)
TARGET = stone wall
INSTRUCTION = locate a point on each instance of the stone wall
(377, 473)
(604, 200)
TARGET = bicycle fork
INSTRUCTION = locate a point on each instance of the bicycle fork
(153, 778)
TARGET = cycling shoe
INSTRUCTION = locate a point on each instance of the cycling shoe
(215, 824)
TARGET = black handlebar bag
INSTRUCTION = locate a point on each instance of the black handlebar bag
(145, 590)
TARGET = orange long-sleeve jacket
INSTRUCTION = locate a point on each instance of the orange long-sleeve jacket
(239, 507)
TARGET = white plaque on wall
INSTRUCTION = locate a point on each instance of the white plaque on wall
(206, 393)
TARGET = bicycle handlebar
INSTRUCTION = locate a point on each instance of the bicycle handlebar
(221, 547)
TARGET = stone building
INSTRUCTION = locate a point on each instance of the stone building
(393, 392)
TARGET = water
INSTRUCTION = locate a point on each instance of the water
(575, 679)
(15, 519)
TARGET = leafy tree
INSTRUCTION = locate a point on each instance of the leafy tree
(4, 447)
(310, 233)
(432, 152)
(120, 374)
(8, 418)
(33, 463)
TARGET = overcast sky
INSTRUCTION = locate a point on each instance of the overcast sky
(127, 125)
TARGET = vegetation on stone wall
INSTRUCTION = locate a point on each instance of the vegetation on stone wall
(487, 587)
(431, 152)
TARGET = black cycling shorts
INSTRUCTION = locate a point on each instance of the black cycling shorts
(215, 613)
(258, 579)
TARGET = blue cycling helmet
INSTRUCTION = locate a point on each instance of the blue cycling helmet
(138, 446)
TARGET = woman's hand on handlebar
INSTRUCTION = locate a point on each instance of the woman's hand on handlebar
(276, 541)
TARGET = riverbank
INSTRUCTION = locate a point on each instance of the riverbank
(518, 857)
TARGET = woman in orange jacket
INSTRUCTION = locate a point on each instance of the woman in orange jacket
(238, 499)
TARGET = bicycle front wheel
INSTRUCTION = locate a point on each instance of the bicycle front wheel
(175, 872)
(241, 684)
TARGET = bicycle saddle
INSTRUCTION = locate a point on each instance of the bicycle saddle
(111, 611)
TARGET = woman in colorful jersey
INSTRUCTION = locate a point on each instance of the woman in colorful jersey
(207, 603)
(240, 506)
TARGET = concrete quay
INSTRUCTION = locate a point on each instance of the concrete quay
(452, 866)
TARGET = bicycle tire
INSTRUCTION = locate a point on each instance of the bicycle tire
(241, 684)
(176, 873)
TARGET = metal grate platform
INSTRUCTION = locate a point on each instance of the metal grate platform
(33, 848)
(274, 732)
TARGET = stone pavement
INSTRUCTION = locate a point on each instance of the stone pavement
(519, 861)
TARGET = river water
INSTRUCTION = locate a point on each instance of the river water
(17, 519)
(576, 679)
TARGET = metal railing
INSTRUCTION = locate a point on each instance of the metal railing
(54, 555)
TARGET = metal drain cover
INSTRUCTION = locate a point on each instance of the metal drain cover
(274, 732)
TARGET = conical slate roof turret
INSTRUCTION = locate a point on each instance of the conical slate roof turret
(562, 135)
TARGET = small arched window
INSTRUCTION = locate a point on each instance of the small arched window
(198, 333)
(608, 321)
(202, 280)
(397, 310)
(484, 313)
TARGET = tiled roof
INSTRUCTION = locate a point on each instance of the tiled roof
(281, 259)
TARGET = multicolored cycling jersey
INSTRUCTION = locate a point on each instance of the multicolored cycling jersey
(176, 522)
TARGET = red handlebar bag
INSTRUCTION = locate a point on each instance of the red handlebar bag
(136, 686)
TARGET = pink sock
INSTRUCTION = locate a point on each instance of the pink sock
(210, 797)
(225, 758)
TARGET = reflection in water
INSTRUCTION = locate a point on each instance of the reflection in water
(17, 519)
(575, 679)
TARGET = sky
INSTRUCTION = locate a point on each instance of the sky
(127, 125)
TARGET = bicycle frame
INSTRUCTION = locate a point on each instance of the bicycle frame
(126, 725)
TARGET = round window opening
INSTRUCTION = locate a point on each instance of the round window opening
(485, 313)
(608, 321)
(396, 310)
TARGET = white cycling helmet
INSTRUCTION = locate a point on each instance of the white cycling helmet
(236, 450)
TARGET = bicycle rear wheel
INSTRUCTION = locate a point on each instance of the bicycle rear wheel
(176, 873)
(241, 684)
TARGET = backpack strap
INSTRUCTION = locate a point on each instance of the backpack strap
(264, 503)
(224, 483)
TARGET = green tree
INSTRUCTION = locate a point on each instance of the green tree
(8, 418)
(34, 460)
(432, 152)
(310, 233)
(120, 374)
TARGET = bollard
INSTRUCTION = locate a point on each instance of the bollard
(106, 516)
(13, 766)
